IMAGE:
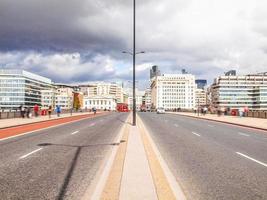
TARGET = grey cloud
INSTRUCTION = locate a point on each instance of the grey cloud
(206, 38)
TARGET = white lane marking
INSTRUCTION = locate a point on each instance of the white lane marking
(257, 161)
(244, 134)
(196, 134)
(74, 132)
(92, 124)
(28, 154)
(210, 125)
(176, 125)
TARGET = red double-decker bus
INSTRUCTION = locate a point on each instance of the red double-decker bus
(122, 107)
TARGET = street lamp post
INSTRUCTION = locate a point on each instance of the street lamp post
(134, 81)
(134, 54)
(134, 99)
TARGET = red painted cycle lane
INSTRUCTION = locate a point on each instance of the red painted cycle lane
(21, 129)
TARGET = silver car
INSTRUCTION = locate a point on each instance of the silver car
(160, 111)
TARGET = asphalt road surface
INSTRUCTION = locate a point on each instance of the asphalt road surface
(59, 162)
(211, 160)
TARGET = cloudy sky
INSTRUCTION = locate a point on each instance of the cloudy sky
(78, 41)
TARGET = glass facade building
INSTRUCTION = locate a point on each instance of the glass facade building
(240, 91)
(19, 87)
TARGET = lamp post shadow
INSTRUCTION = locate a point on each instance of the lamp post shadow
(73, 163)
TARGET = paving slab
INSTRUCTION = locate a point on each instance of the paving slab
(137, 181)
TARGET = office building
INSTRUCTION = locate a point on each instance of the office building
(201, 97)
(99, 102)
(48, 98)
(64, 97)
(173, 91)
(236, 92)
(147, 99)
(103, 89)
(20, 87)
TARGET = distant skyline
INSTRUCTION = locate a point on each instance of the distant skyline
(79, 41)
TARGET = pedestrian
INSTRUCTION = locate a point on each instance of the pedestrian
(205, 109)
(36, 110)
(240, 112)
(94, 110)
(49, 111)
(58, 110)
(28, 112)
(22, 111)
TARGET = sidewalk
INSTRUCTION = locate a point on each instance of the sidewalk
(250, 122)
(138, 170)
(5, 123)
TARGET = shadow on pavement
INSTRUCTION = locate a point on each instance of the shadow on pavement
(73, 163)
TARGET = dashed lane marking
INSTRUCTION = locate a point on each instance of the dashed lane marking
(28, 154)
(244, 134)
(210, 125)
(176, 125)
(196, 134)
(248, 157)
(74, 132)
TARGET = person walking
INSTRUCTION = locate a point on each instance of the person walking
(22, 111)
(94, 110)
(205, 110)
(28, 112)
(49, 111)
(58, 110)
(36, 110)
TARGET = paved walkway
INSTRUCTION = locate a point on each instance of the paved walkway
(243, 121)
(138, 170)
(4, 123)
(137, 181)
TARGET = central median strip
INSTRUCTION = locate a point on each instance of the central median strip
(136, 171)
(250, 158)
(28, 154)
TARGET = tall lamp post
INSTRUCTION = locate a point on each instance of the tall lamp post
(134, 54)
(134, 82)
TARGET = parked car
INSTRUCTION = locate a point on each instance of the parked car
(160, 111)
